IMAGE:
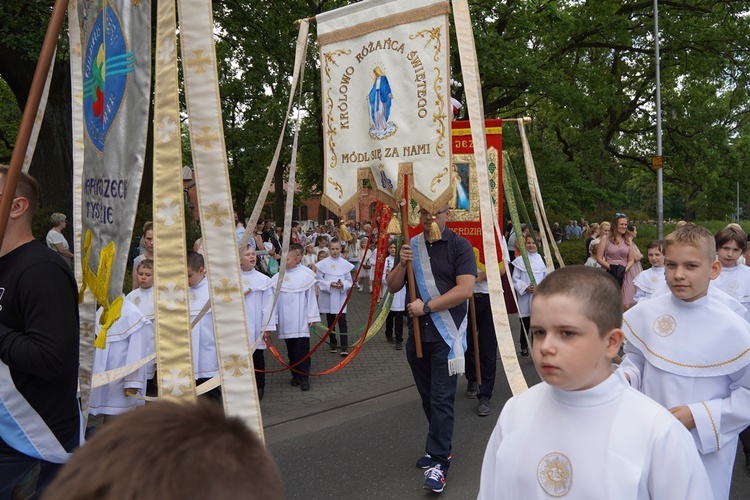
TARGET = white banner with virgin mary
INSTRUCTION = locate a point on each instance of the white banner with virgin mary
(386, 79)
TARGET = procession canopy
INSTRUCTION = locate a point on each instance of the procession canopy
(386, 103)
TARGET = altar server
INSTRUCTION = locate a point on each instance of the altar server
(583, 432)
(258, 312)
(205, 362)
(297, 312)
(127, 343)
(648, 281)
(524, 288)
(334, 281)
(691, 354)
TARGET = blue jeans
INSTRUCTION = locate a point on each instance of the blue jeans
(438, 392)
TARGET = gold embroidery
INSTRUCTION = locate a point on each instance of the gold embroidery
(555, 474)
(713, 424)
(665, 325)
(685, 365)
(434, 35)
(440, 116)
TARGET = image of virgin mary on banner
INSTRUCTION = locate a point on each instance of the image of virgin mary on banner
(116, 75)
(386, 104)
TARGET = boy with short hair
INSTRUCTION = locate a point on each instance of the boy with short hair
(297, 312)
(583, 432)
(334, 278)
(143, 298)
(650, 280)
(258, 312)
(205, 361)
(690, 353)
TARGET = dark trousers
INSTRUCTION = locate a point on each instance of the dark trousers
(296, 350)
(341, 325)
(395, 318)
(214, 395)
(22, 476)
(525, 330)
(438, 392)
(487, 346)
(259, 362)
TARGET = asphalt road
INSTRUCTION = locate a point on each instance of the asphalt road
(368, 449)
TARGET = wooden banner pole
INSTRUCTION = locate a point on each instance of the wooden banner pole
(475, 337)
(410, 271)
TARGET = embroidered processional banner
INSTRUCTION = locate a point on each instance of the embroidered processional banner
(385, 86)
(116, 75)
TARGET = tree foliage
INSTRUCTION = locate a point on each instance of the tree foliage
(583, 70)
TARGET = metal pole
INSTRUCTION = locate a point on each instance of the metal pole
(738, 202)
(659, 178)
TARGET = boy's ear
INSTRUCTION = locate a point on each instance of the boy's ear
(715, 269)
(614, 340)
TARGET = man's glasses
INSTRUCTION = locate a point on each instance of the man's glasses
(425, 213)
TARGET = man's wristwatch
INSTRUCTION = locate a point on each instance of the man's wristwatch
(427, 309)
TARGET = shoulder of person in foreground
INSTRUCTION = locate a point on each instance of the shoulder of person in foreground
(155, 452)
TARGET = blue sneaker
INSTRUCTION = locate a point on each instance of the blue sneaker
(435, 478)
(425, 461)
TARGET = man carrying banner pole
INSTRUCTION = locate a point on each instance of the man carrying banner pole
(39, 414)
(445, 272)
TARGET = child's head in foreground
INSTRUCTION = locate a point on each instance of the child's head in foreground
(731, 243)
(576, 314)
(145, 272)
(170, 451)
(195, 268)
(690, 262)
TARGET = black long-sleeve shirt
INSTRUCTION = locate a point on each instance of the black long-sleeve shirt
(39, 335)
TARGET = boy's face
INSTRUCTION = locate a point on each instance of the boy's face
(195, 276)
(728, 254)
(148, 241)
(530, 245)
(689, 271)
(335, 250)
(145, 278)
(292, 259)
(655, 257)
(248, 259)
(568, 352)
(392, 250)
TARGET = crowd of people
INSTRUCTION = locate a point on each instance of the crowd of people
(671, 413)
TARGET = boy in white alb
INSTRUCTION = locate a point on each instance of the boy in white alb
(127, 343)
(258, 312)
(143, 298)
(334, 278)
(691, 353)
(650, 280)
(297, 312)
(734, 279)
(583, 433)
(205, 361)
(395, 319)
(524, 288)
